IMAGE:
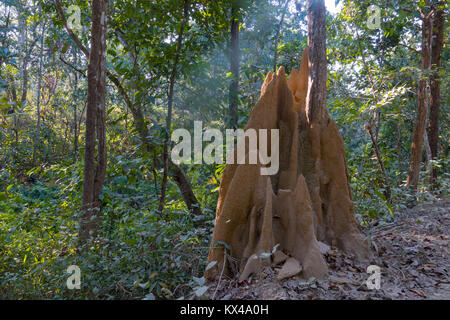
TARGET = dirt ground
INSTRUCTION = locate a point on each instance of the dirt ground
(412, 252)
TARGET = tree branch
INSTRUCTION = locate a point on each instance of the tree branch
(77, 41)
(70, 31)
(72, 66)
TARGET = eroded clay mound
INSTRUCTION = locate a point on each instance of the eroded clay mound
(260, 218)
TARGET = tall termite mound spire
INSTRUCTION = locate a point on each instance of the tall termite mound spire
(307, 201)
(323, 164)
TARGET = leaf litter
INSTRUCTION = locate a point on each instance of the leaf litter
(412, 252)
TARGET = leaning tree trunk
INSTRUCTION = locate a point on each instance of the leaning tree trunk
(309, 199)
(170, 106)
(95, 169)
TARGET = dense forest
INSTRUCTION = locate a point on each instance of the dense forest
(92, 92)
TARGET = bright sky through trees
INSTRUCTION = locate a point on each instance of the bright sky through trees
(332, 7)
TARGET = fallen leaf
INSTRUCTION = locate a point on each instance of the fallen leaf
(418, 292)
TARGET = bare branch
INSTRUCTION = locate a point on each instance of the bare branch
(72, 66)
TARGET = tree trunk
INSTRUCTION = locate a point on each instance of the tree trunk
(38, 100)
(95, 167)
(75, 116)
(387, 190)
(375, 121)
(317, 61)
(422, 105)
(185, 188)
(24, 65)
(323, 161)
(169, 107)
(309, 199)
(426, 144)
(234, 66)
(435, 90)
(399, 153)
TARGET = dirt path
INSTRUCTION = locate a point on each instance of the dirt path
(412, 252)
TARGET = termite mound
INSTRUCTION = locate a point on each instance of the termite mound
(308, 201)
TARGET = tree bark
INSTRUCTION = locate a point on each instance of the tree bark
(426, 144)
(422, 105)
(95, 167)
(234, 65)
(435, 90)
(317, 60)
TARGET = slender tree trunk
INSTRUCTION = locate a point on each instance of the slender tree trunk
(234, 66)
(317, 92)
(399, 153)
(75, 116)
(426, 143)
(277, 36)
(38, 101)
(435, 90)
(95, 169)
(387, 191)
(75, 133)
(375, 121)
(170, 106)
(5, 28)
(23, 72)
(23, 67)
(422, 106)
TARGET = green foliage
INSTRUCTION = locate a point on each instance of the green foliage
(140, 253)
